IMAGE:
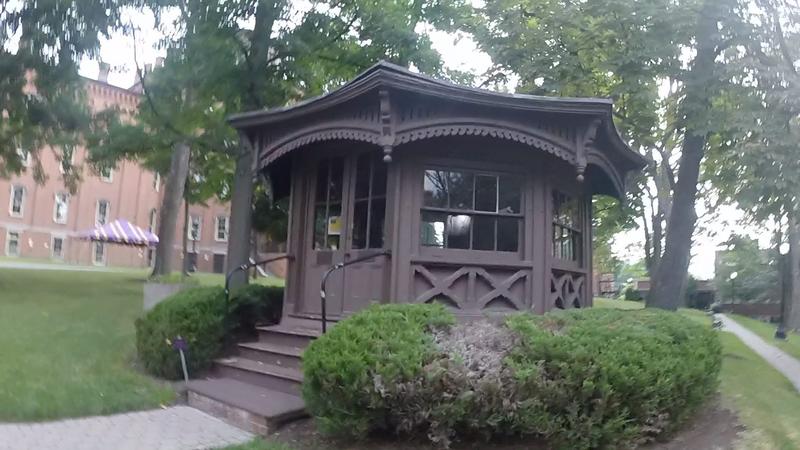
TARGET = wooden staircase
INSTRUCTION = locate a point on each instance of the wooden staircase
(258, 388)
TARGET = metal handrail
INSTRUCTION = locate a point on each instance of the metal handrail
(334, 268)
(246, 266)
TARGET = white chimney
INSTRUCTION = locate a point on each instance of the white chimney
(102, 75)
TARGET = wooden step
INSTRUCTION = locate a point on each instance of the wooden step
(247, 406)
(287, 336)
(271, 376)
(269, 353)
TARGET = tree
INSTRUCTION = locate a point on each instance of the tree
(626, 51)
(42, 101)
(756, 272)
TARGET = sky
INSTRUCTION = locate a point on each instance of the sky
(458, 52)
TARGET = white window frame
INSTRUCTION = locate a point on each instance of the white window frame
(53, 238)
(61, 162)
(64, 219)
(199, 227)
(97, 212)
(153, 220)
(156, 181)
(216, 228)
(101, 262)
(25, 156)
(110, 177)
(21, 212)
(8, 242)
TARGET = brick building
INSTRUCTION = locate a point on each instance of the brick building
(43, 221)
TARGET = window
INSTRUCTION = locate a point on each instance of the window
(17, 201)
(107, 174)
(369, 209)
(222, 228)
(60, 207)
(328, 204)
(102, 212)
(471, 210)
(567, 220)
(99, 253)
(12, 243)
(67, 157)
(194, 228)
(157, 181)
(153, 220)
(24, 157)
(57, 247)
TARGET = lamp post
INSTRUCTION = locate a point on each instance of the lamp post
(733, 285)
(783, 249)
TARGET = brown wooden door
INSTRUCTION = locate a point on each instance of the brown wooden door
(347, 207)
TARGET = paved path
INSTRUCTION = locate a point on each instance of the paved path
(782, 361)
(175, 428)
(45, 266)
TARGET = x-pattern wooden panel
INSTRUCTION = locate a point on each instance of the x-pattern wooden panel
(443, 286)
(566, 289)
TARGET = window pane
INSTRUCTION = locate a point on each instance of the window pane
(360, 224)
(320, 219)
(435, 188)
(458, 231)
(510, 189)
(337, 171)
(334, 226)
(362, 175)
(486, 193)
(483, 233)
(377, 215)
(508, 234)
(322, 182)
(431, 232)
(378, 177)
(460, 186)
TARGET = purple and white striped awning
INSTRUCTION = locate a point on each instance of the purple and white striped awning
(121, 232)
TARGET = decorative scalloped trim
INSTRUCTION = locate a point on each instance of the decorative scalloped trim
(351, 134)
(522, 137)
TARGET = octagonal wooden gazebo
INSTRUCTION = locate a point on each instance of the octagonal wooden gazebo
(476, 199)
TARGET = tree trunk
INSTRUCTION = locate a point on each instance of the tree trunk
(170, 208)
(669, 283)
(791, 309)
(185, 238)
(241, 210)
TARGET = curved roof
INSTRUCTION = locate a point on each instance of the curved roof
(294, 130)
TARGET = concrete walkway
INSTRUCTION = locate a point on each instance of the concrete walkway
(777, 358)
(175, 428)
(6, 264)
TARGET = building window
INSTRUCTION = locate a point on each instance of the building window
(17, 201)
(153, 220)
(157, 181)
(222, 229)
(194, 228)
(61, 207)
(107, 174)
(369, 207)
(328, 204)
(98, 253)
(67, 157)
(57, 247)
(567, 220)
(471, 210)
(24, 157)
(12, 243)
(102, 212)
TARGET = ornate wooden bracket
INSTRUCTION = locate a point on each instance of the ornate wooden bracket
(387, 128)
(585, 140)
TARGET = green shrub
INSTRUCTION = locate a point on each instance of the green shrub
(631, 294)
(203, 318)
(578, 379)
(380, 346)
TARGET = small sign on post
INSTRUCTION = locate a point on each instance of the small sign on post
(179, 344)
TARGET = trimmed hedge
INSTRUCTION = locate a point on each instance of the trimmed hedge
(203, 318)
(581, 379)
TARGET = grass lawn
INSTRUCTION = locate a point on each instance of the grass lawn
(766, 402)
(68, 345)
(767, 332)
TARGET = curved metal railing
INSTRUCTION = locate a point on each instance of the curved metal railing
(248, 265)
